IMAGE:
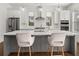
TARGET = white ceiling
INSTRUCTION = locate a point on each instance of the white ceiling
(37, 4)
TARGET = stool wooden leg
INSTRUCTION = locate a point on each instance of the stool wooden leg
(22, 51)
(52, 51)
(30, 51)
(63, 51)
(58, 50)
(49, 50)
(19, 51)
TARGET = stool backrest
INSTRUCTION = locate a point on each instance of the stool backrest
(25, 39)
(58, 38)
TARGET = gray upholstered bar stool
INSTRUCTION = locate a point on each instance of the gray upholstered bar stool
(24, 40)
(57, 40)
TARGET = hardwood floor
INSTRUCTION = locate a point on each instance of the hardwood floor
(39, 54)
(1, 49)
(33, 53)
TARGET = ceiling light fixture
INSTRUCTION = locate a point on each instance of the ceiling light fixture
(22, 8)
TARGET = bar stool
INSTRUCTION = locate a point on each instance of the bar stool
(57, 40)
(24, 40)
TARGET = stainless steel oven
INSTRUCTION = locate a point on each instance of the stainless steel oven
(64, 25)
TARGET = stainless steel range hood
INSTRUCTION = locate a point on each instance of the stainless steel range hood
(39, 13)
(39, 18)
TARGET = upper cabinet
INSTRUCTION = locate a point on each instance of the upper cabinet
(65, 15)
(31, 19)
(23, 19)
(56, 17)
(13, 13)
(65, 20)
(49, 19)
(56, 22)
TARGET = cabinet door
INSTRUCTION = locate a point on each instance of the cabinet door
(76, 26)
(56, 22)
(23, 20)
(65, 15)
(31, 18)
(48, 21)
(13, 13)
(56, 17)
(76, 21)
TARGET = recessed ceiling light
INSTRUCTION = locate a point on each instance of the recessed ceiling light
(22, 8)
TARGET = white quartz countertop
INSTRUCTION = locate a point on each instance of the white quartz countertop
(40, 33)
(35, 33)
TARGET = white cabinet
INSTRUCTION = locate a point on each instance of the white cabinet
(65, 20)
(76, 47)
(31, 19)
(75, 21)
(23, 20)
(49, 19)
(56, 17)
(64, 15)
(13, 13)
(56, 22)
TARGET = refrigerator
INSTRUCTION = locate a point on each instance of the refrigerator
(12, 24)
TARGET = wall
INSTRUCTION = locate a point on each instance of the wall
(74, 6)
(13, 11)
(3, 18)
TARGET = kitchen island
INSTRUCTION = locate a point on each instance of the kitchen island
(40, 43)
